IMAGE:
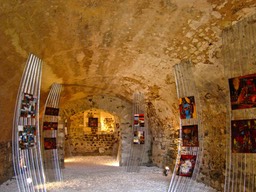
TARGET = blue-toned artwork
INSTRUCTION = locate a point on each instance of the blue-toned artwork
(27, 136)
(187, 107)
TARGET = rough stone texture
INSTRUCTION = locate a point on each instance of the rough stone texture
(117, 47)
(92, 144)
(6, 169)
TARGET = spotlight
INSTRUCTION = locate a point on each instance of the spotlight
(29, 180)
(166, 171)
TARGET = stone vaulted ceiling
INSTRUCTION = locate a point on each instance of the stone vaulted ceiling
(113, 47)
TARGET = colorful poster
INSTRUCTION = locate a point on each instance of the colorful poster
(186, 165)
(243, 136)
(52, 111)
(27, 136)
(187, 107)
(50, 143)
(190, 136)
(139, 120)
(136, 120)
(50, 126)
(139, 137)
(28, 106)
(243, 92)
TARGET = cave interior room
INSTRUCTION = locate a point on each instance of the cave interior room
(128, 95)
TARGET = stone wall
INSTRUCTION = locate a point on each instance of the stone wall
(164, 139)
(92, 144)
(6, 169)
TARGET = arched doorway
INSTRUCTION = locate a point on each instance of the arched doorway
(92, 132)
(121, 111)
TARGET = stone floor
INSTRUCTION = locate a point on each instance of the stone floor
(97, 174)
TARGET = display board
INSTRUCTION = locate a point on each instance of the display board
(139, 134)
(190, 146)
(27, 159)
(50, 135)
(240, 74)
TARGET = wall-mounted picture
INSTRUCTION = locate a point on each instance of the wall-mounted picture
(27, 136)
(50, 143)
(50, 125)
(190, 136)
(186, 165)
(136, 120)
(139, 137)
(139, 120)
(243, 92)
(92, 122)
(28, 106)
(243, 136)
(187, 107)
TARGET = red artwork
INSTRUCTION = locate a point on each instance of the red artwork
(190, 136)
(50, 143)
(139, 120)
(187, 107)
(186, 165)
(92, 122)
(243, 92)
(243, 135)
(52, 111)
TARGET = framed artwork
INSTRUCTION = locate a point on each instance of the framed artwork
(27, 136)
(92, 122)
(50, 125)
(139, 120)
(52, 111)
(50, 143)
(243, 92)
(243, 136)
(187, 107)
(136, 120)
(139, 137)
(28, 106)
(186, 165)
(190, 136)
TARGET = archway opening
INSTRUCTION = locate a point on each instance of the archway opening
(93, 132)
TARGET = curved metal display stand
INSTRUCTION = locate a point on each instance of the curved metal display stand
(50, 129)
(139, 131)
(27, 158)
(239, 47)
(190, 145)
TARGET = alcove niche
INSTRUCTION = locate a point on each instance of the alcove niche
(93, 132)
